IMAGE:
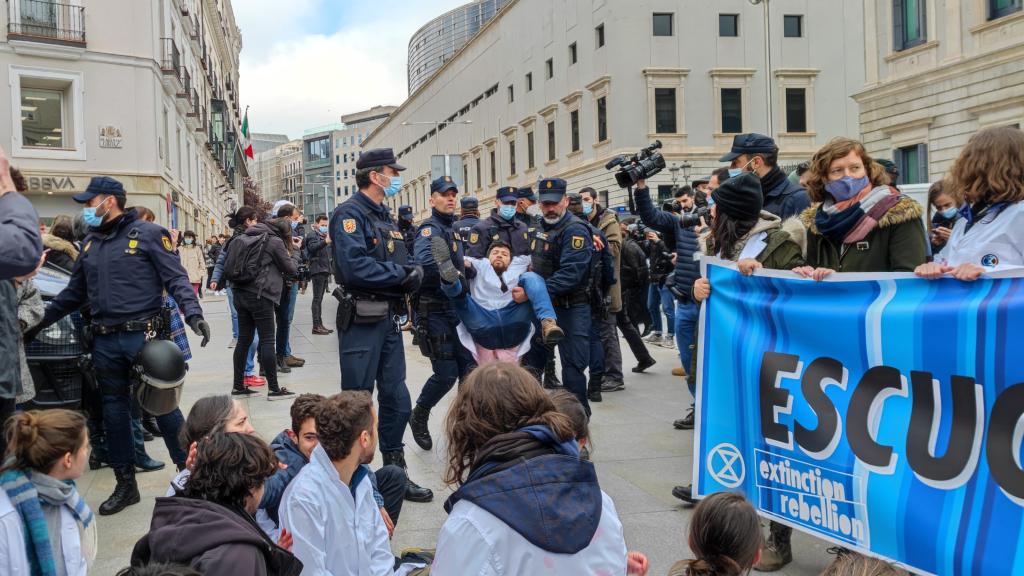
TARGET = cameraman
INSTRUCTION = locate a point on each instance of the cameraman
(687, 270)
(634, 277)
(658, 298)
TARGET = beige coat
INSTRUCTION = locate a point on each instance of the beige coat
(608, 224)
(194, 262)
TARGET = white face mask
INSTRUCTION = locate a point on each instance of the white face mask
(533, 210)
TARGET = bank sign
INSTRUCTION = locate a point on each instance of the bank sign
(880, 412)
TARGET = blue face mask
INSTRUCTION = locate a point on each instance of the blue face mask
(90, 217)
(846, 187)
(734, 172)
(323, 229)
(394, 186)
(188, 241)
(588, 208)
(948, 213)
(295, 224)
(507, 212)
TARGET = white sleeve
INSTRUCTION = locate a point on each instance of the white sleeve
(306, 524)
(13, 560)
(462, 550)
(382, 561)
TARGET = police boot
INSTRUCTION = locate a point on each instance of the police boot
(550, 332)
(98, 455)
(551, 380)
(149, 424)
(594, 389)
(413, 491)
(418, 425)
(778, 552)
(125, 493)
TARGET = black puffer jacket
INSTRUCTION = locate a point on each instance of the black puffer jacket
(687, 269)
(277, 261)
(633, 271)
(319, 253)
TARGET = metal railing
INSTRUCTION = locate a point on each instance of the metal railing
(194, 99)
(46, 21)
(170, 62)
(186, 84)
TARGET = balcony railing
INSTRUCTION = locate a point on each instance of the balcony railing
(194, 99)
(186, 85)
(44, 21)
(170, 62)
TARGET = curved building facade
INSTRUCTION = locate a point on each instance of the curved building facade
(437, 41)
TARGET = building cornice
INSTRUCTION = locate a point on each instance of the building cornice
(732, 72)
(572, 97)
(600, 83)
(797, 72)
(664, 72)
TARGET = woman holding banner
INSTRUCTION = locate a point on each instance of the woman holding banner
(988, 178)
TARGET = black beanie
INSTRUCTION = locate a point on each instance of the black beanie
(740, 197)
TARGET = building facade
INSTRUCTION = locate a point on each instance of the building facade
(556, 89)
(156, 108)
(261, 142)
(438, 40)
(937, 72)
(270, 169)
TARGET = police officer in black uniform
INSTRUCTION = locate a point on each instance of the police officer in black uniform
(562, 254)
(438, 340)
(407, 228)
(470, 216)
(501, 226)
(525, 211)
(371, 265)
(125, 265)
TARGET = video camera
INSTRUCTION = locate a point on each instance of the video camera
(640, 166)
(693, 218)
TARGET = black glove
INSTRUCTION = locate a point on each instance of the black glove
(413, 278)
(201, 328)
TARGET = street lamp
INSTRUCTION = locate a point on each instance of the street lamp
(326, 187)
(685, 168)
(769, 101)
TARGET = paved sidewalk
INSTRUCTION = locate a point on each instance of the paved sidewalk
(639, 456)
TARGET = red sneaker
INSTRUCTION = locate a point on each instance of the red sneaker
(254, 381)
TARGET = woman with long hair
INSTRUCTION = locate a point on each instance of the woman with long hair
(725, 537)
(525, 503)
(46, 528)
(192, 259)
(209, 415)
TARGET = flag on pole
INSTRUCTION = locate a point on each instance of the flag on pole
(245, 134)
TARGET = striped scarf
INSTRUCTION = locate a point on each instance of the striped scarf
(24, 491)
(176, 331)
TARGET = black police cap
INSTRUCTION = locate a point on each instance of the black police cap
(378, 157)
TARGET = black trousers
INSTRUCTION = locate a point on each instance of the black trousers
(255, 314)
(632, 335)
(319, 288)
(391, 485)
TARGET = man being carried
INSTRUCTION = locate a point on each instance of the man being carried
(496, 322)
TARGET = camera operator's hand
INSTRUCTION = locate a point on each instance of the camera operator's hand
(641, 185)
(652, 236)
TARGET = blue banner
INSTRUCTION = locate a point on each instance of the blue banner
(881, 412)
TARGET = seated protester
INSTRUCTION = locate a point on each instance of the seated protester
(567, 403)
(329, 508)
(525, 503)
(293, 448)
(725, 537)
(209, 415)
(988, 178)
(495, 322)
(210, 526)
(854, 564)
(159, 569)
(45, 525)
(946, 213)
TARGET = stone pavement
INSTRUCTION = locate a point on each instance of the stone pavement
(639, 456)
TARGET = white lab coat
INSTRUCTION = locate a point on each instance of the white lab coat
(997, 245)
(13, 559)
(485, 289)
(475, 542)
(334, 533)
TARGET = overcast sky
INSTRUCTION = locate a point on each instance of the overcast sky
(307, 62)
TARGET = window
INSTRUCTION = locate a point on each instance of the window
(494, 171)
(796, 110)
(572, 53)
(511, 93)
(337, 159)
(42, 118)
(529, 81)
(574, 128)
(602, 119)
(662, 24)
(599, 33)
(530, 164)
(602, 198)
(732, 110)
(479, 179)
(908, 24)
(550, 67)
(728, 25)
(317, 150)
(512, 157)
(912, 164)
(665, 110)
(664, 192)
(166, 142)
(551, 141)
(1000, 8)
(793, 26)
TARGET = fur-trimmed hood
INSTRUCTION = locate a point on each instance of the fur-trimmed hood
(906, 209)
(60, 245)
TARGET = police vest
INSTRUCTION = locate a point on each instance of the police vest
(546, 250)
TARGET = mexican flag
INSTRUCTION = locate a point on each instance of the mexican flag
(245, 134)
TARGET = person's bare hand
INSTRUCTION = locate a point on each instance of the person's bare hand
(701, 289)
(804, 271)
(932, 270)
(967, 272)
(640, 184)
(942, 233)
(598, 244)
(468, 265)
(519, 295)
(636, 563)
(652, 236)
(174, 236)
(285, 540)
(675, 258)
(387, 521)
(327, 239)
(821, 273)
(193, 452)
(747, 266)
(6, 182)
(213, 286)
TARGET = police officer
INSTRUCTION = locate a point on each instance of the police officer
(125, 265)
(562, 251)
(527, 211)
(470, 216)
(371, 264)
(437, 320)
(501, 226)
(406, 227)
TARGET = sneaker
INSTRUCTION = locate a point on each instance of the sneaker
(321, 331)
(668, 341)
(653, 337)
(254, 381)
(443, 257)
(612, 385)
(281, 394)
(244, 392)
(233, 343)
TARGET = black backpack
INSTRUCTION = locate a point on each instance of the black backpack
(244, 262)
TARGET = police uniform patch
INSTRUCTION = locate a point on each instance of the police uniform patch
(474, 237)
(87, 246)
(349, 225)
(990, 260)
(396, 235)
(550, 184)
(167, 243)
(132, 244)
(577, 242)
(391, 246)
(426, 232)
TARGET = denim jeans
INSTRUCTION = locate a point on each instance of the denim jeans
(285, 314)
(654, 307)
(668, 306)
(506, 327)
(686, 316)
(234, 313)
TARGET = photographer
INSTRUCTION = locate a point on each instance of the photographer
(634, 277)
(658, 298)
(318, 244)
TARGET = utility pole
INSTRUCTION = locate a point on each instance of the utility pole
(770, 97)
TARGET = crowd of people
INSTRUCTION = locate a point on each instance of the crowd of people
(489, 301)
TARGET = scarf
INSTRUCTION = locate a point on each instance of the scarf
(853, 223)
(28, 492)
(506, 450)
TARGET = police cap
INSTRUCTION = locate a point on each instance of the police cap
(100, 185)
(378, 157)
(405, 210)
(551, 189)
(526, 193)
(470, 203)
(442, 185)
(507, 194)
(748, 144)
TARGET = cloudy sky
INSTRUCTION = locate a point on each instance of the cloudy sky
(307, 62)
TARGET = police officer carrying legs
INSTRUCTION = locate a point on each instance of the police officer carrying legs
(371, 264)
(501, 226)
(562, 252)
(125, 265)
(470, 216)
(437, 320)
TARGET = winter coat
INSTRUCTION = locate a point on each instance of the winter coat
(634, 273)
(896, 244)
(608, 223)
(779, 251)
(782, 197)
(212, 539)
(61, 252)
(19, 237)
(30, 312)
(319, 253)
(687, 270)
(992, 243)
(194, 262)
(277, 264)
